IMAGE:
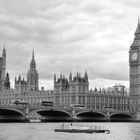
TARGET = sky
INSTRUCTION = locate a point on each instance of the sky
(69, 36)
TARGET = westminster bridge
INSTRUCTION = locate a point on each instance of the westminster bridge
(21, 113)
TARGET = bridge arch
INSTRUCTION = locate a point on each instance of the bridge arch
(118, 117)
(53, 115)
(11, 115)
(90, 116)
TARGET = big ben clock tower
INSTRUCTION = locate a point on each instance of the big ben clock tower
(134, 64)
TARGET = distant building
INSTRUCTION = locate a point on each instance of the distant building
(21, 85)
(67, 92)
(113, 99)
(70, 91)
(27, 91)
(118, 89)
(75, 91)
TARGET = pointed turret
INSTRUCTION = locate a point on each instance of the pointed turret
(70, 76)
(61, 76)
(100, 90)
(3, 68)
(19, 78)
(86, 76)
(32, 75)
(138, 28)
(7, 75)
(136, 42)
(33, 64)
(54, 78)
(7, 81)
(77, 74)
(4, 53)
(95, 90)
(33, 54)
(15, 79)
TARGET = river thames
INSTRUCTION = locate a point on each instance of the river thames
(45, 131)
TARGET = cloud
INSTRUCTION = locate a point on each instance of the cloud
(129, 3)
(68, 36)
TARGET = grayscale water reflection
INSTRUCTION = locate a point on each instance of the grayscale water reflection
(45, 131)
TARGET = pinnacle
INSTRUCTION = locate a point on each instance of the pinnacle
(138, 27)
(4, 47)
(33, 54)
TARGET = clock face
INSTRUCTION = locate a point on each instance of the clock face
(134, 56)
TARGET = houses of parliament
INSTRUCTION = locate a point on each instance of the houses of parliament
(74, 89)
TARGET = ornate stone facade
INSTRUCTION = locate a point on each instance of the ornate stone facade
(25, 91)
(67, 91)
(34, 98)
(112, 98)
(4, 78)
(74, 90)
(134, 64)
(2, 69)
(21, 85)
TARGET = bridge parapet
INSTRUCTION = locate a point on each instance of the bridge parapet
(19, 107)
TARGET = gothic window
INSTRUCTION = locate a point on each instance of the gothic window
(62, 99)
(83, 89)
(79, 89)
(73, 99)
(102, 99)
(97, 99)
(73, 89)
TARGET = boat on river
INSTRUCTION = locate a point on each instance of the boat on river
(81, 129)
(35, 120)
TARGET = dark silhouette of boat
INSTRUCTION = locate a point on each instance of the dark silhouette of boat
(81, 129)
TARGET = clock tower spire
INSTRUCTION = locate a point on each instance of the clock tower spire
(32, 75)
(134, 65)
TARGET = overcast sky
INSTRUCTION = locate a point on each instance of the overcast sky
(69, 36)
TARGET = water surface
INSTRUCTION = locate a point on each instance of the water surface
(45, 131)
